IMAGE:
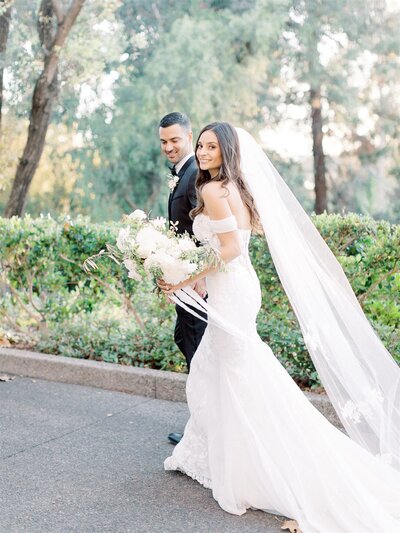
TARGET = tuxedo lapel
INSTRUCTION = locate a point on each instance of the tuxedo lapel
(180, 175)
(185, 166)
(169, 205)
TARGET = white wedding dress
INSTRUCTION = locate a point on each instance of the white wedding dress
(254, 438)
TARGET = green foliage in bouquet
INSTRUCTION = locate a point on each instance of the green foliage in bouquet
(48, 301)
(149, 249)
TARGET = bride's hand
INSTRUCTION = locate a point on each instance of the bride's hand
(167, 288)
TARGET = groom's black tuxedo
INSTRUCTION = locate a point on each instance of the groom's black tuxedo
(183, 198)
(188, 329)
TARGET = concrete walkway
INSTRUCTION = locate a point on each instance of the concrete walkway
(83, 459)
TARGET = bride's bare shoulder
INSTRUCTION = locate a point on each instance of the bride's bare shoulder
(214, 189)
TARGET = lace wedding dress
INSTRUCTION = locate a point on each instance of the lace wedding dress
(254, 438)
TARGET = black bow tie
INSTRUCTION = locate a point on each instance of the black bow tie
(173, 171)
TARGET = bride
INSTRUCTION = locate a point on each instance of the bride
(252, 436)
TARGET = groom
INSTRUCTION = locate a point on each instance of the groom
(176, 138)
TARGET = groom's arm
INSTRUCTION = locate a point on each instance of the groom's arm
(191, 189)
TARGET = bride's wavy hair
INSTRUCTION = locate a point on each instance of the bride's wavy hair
(229, 171)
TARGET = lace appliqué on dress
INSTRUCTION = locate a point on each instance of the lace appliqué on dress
(191, 459)
(355, 411)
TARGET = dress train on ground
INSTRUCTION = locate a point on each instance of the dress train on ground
(255, 440)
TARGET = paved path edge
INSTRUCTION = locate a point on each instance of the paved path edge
(159, 384)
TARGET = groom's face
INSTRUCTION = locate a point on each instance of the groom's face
(176, 142)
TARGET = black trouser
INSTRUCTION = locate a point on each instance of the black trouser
(188, 333)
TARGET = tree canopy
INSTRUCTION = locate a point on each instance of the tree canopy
(317, 82)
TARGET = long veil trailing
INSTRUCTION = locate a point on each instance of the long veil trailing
(360, 376)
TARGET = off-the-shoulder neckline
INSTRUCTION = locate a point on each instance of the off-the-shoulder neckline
(223, 219)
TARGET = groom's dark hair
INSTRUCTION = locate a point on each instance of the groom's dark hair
(176, 118)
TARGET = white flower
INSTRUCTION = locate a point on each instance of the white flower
(138, 214)
(172, 181)
(174, 250)
(150, 245)
(148, 240)
(159, 223)
(173, 271)
(152, 261)
(124, 239)
(186, 244)
(132, 272)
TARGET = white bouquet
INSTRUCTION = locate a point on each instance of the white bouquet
(146, 247)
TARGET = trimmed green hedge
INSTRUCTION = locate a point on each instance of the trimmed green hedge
(369, 252)
(50, 303)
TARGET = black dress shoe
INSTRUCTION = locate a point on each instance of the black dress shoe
(175, 437)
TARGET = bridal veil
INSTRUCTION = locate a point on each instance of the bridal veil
(359, 375)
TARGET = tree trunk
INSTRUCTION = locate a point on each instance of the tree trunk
(318, 152)
(43, 97)
(5, 17)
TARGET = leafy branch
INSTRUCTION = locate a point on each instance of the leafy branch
(89, 265)
(374, 285)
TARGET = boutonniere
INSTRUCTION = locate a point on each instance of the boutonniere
(172, 181)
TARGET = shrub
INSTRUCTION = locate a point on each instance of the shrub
(369, 252)
(48, 298)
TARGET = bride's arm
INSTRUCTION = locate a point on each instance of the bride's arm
(217, 207)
